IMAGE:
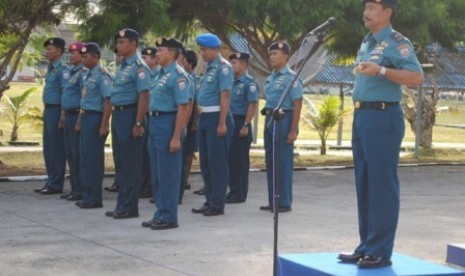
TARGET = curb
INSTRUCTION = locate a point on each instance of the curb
(317, 168)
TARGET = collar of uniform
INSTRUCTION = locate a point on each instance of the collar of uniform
(130, 59)
(215, 62)
(242, 78)
(154, 71)
(283, 70)
(77, 67)
(94, 71)
(382, 34)
(56, 64)
(172, 66)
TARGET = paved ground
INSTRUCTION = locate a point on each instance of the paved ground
(43, 235)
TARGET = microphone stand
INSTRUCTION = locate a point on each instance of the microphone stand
(276, 117)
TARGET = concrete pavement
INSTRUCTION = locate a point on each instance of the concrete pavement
(44, 235)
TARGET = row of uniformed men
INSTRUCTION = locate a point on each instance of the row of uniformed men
(225, 98)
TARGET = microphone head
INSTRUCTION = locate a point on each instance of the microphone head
(332, 20)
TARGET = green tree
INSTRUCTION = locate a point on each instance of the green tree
(323, 120)
(18, 112)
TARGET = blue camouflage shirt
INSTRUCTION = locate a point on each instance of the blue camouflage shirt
(218, 77)
(97, 87)
(390, 49)
(54, 83)
(71, 98)
(275, 85)
(245, 91)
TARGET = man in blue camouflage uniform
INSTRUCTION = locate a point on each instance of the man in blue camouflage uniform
(93, 124)
(386, 61)
(244, 97)
(70, 104)
(129, 97)
(168, 113)
(53, 139)
(215, 125)
(276, 83)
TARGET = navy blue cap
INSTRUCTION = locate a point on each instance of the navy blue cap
(90, 48)
(169, 42)
(280, 45)
(55, 41)
(126, 33)
(242, 56)
(208, 40)
(149, 51)
(389, 3)
(191, 57)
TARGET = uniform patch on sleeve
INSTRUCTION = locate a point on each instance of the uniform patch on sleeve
(106, 81)
(253, 88)
(404, 50)
(295, 84)
(182, 85)
(141, 74)
(66, 75)
(225, 70)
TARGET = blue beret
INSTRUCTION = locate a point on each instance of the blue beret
(126, 33)
(389, 3)
(243, 56)
(169, 42)
(90, 48)
(208, 40)
(55, 41)
(149, 51)
(280, 45)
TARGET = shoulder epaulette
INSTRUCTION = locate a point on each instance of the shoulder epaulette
(396, 36)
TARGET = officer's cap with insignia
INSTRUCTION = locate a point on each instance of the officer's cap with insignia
(169, 43)
(55, 41)
(91, 48)
(149, 51)
(75, 46)
(208, 40)
(241, 56)
(388, 3)
(191, 57)
(127, 33)
(280, 45)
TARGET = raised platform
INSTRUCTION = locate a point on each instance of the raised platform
(456, 254)
(325, 264)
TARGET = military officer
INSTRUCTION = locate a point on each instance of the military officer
(244, 99)
(275, 84)
(93, 124)
(215, 124)
(149, 56)
(168, 113)
(386, 61)
(53, 139)
(70, 104)
(129, 98)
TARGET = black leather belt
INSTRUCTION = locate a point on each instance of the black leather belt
(160, 113)
(374, 105)
(83, 112)
(239, 116)
(52, 105)
(72, 111)
(123, 107)
(269, 111)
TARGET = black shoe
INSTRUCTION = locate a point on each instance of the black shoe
(50, 191)
(84, 205)
(112, 189)
(152, 201)
(74, 198)
(200, 192)
(124, 215)
(161, 225)
(350, 258)
(233, 200)
(187, 187)
(284, 209)
(65, 196)
(200, 210)
(109, 213)
(148, 223)
(374, 262)
(40, 189)
(213, 212)
(266, 208)
(147, 195)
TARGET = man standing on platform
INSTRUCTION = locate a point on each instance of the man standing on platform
(168, 111)
(53, 139)
(70, 104)
(93, 124)
(386, 61)
(275, 85)
(244, 99)
(129, 97)
(215, 125)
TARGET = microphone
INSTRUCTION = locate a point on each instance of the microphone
(323, 27)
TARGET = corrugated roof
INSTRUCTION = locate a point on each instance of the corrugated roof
(335, 74)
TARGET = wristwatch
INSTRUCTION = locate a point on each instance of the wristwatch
(382, 71)
(246, 124)
(138, 123)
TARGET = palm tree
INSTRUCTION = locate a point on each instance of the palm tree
(18, 112)
(325, 118)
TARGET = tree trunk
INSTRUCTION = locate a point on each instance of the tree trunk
(323, 147)
(14, 133)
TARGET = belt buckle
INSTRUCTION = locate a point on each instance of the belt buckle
(82, 111)
(357, 104)
(200, 109)
(113, 108)
(383, 105)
